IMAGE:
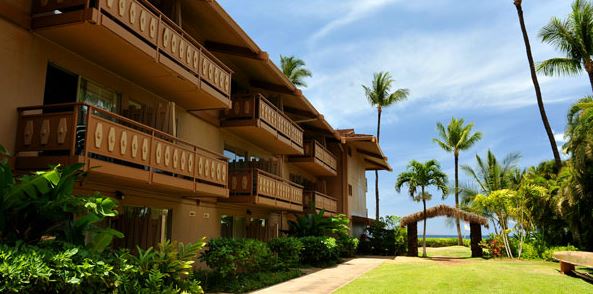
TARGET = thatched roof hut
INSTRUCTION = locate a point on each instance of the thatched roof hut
(444, 210)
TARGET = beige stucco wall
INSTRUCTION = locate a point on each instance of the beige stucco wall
(356, 177)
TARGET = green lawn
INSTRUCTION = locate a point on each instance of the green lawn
(417, 275)
(451, 251)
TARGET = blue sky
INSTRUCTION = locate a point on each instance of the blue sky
(462, 58)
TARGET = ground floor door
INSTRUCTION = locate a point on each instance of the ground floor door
(143, 227)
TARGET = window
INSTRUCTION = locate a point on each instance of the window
(349, 190)
(60, 86)
(98, 96)
(232, 227)
(233, 155)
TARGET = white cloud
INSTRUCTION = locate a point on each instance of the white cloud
(354, 10)
(559, 137)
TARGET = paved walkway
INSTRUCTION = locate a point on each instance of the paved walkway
(329, 279)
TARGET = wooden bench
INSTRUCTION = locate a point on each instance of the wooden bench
(569, 259)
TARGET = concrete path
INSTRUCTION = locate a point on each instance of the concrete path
(329, 279)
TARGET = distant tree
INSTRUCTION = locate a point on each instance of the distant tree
(538, 92)
(574, 37)
(379, 95)
(419, 176)
(455, 138)
(294, 69)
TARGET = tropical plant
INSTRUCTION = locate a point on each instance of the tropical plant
(294, 69)
(379, 95)
(57, 267)
(489, 175)
(316, 224)
(319, 251)
(576, 179)
(420, 176)
(287, 250)
(230, 257)
(538, 93)
(457, 137)
(574, 37)
(42, 205)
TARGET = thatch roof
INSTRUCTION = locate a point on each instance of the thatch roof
(444, 210)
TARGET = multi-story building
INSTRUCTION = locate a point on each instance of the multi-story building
(176, 112)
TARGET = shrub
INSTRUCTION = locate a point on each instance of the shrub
(347, 246)
(244, 282)
(316, 224)
(229, 257)
(287, 251)
(530, 252)
(65, 268)
(494, 246)
(319, 251)
(443, 242)
(384, 237)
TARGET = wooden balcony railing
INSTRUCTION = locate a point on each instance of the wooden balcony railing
(317, 201)
(258, 187)
(117, 146)
(256, 111)
(157, 35)
(316, 159)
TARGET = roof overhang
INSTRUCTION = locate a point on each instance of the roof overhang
(230, 43)
(368, 147)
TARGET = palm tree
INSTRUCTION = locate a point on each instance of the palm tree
(379, 95)
(490, 175)
(294, 69)
(538, 92)
(456, 138)
(574, 37)
(421, 176)
(576, 192)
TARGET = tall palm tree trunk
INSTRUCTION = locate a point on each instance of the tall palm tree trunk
(538, 93)
(589, 70)
(459, 238)
(379, 110)
(424, 231)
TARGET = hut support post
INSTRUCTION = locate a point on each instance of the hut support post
(413, 239)
(476, 238)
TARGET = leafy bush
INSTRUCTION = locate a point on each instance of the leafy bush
(444, 242)
(347, 246)
(229, 257)
(319, 225)
(493, 245)
(42, 205)
(244, 282)
(319, 251)
(287, 251)
(64, 268)
(384, 237)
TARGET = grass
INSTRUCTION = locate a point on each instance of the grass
(475, 275)
(451, 251)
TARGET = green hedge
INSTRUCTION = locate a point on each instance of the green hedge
(442, 242)
(63, 268)
(319, 251)
(230, 257)
(287, 251)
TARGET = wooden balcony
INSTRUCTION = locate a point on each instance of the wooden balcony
(316, 159)
(316, 201)
(117, 150)
(263, 123)
(134, 39)
(255, 186)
